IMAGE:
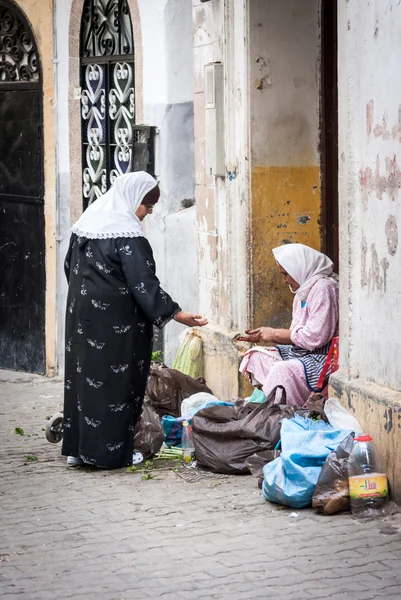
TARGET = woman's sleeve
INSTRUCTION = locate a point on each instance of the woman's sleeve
(322, 323)
(67, 260)
(139, 270)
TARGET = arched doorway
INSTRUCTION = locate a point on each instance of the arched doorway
(22, 237)
(111, 142)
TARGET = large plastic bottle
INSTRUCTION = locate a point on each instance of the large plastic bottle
(188, 449)
(367, 480)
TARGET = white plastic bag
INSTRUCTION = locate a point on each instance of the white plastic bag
(340, 418)
(191, 404)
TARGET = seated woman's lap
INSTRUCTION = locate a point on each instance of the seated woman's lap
(291, 375)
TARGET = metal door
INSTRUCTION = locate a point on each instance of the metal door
(22, 236)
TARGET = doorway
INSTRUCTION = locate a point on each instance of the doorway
(329, 131)
(22, 235)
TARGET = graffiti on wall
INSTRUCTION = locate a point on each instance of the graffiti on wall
(376, 184)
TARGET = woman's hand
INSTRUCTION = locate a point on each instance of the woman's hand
(261, 335)
(266, 335)
(190, 320)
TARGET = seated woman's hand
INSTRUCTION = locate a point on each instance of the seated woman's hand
(262, 335)
(190, 319)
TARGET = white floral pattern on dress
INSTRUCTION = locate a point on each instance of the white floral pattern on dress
(101, 305)
(84, 291)
(71, 307)
(115, 446)
(94, 384)
(142, 327)
(124, 291)
(141, 288)
(95, 344)
(117, 407)
(89, 253)
(119, 369)
(122, 329)
(79, 329)
(76, 268)
(104, 268)
(87, 460)
(126, 250)
(92, 422)
(68, 345)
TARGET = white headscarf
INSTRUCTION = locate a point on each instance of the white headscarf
(113, 214)
(304, 264)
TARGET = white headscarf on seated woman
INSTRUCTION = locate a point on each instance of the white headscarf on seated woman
(304, 264)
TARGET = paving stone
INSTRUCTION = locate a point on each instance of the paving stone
(73, 534)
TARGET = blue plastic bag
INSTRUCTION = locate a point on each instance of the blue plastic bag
(173, 425)
(173, 429)
(305, 444)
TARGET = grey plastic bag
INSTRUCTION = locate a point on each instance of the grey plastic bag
(148, 433)
(226, 436)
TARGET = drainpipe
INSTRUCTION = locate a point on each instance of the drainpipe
(58, 237)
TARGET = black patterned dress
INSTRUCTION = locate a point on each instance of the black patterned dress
(114, 298)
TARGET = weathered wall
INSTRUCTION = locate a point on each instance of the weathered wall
(220, 35)
(370, 194)
(284, 128)
(166, 27)
(369, 380)
(39, 14)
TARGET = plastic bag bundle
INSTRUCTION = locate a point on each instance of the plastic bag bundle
(148, 433)
(167, 388)
(305, 444)
(226, 436)
(340, 418)
(189, 359)
(331, 494)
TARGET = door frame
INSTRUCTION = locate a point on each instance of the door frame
(329, 130)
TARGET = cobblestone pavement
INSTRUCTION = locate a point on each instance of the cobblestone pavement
(83, 534)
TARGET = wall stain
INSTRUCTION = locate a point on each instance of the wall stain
(369, 117)
(392, 235)
(376, 278)
(381, 130)
(388, 415)
(303, 219)
(389, 183)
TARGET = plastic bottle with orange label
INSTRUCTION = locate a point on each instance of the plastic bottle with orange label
(367, 480)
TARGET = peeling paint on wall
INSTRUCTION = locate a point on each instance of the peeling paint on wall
(369, 117)
(389, 183)
(376, 277)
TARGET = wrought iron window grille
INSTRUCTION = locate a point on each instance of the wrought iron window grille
(112, 144)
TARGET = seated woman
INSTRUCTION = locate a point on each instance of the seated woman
(299, 353)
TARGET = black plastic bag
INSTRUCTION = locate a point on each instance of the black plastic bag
(148, 433)
(256, 462)
(314, 407)
(167, 388)
(331, 493)
(225, 436)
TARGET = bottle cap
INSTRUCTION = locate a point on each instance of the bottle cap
(363, 438)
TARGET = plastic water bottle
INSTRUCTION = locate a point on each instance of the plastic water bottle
(188, 449)
(367, 480)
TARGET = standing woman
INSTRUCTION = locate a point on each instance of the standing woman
(114, 299)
